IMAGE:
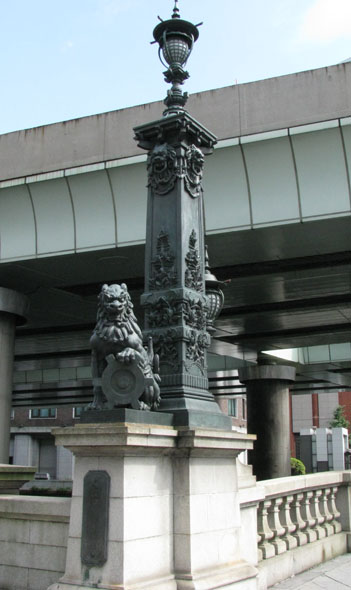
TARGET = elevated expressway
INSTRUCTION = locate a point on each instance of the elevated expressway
(278, 221)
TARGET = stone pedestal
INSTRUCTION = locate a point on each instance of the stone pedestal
(13, 307)
(268, 416)
(165, 505)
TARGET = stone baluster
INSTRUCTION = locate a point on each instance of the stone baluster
(275, 526)
(334, 511)
(328, 517)
(297, 519)
(266, 534)
(321, 532)
(287, 524)
(307, 516)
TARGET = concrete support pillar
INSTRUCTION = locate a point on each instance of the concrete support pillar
(64, 463)
(26, 450)
(13, 307)
(268, 416)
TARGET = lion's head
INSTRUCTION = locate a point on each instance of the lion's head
(161, 167)
(193, 176)
(115, 316)
(115, 305)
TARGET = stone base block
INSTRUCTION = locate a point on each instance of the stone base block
(126, 415)
(240, 576)
(154, 508)
(195, 419)
(159, 584)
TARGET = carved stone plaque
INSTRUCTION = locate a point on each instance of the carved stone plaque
(96, 496)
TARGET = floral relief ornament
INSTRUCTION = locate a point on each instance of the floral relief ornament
(193, 276)
(164, 274)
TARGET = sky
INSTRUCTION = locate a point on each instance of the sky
(63, 59)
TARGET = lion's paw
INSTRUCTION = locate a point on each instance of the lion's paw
(126, 356)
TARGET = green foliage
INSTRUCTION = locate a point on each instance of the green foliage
(297, 467)
(339, 420)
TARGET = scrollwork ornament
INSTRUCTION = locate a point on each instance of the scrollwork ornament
(162, 169)
(194, 171)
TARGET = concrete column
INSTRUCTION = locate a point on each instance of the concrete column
(26, 450)
(64, 468)
(13, 308)
(268, 416)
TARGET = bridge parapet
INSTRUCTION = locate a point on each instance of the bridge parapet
(301, 522)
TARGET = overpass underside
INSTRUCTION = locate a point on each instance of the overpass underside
(296, 302)
(278, 221)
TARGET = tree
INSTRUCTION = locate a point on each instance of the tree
(339, 419)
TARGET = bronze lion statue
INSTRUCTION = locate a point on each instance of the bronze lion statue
(117, 333)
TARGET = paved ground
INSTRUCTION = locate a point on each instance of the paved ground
(332, 575)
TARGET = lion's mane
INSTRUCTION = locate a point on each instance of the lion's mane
(115, 328)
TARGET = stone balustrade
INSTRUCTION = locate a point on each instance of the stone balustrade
(294, 519)
(301, 521)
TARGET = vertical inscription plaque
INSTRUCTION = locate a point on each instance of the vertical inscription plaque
(96, 496)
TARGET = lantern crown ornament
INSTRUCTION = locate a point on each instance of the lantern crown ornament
(175, 38)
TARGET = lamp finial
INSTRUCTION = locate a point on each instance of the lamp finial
(176, 13)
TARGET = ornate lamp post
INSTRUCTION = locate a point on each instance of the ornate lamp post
(175, 301)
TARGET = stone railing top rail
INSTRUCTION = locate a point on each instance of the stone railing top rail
(284, 486)
(35, 508)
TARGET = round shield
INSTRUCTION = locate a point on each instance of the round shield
(122, 383)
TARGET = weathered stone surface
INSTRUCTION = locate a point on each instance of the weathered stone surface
(95, 520)
(173, 503)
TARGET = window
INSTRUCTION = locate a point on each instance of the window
(77, 412)
(232, 407)
(43, 413)
(244, 408)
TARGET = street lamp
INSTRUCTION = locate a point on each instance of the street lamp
(176, 38)
(174, 299)
(214, 294)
